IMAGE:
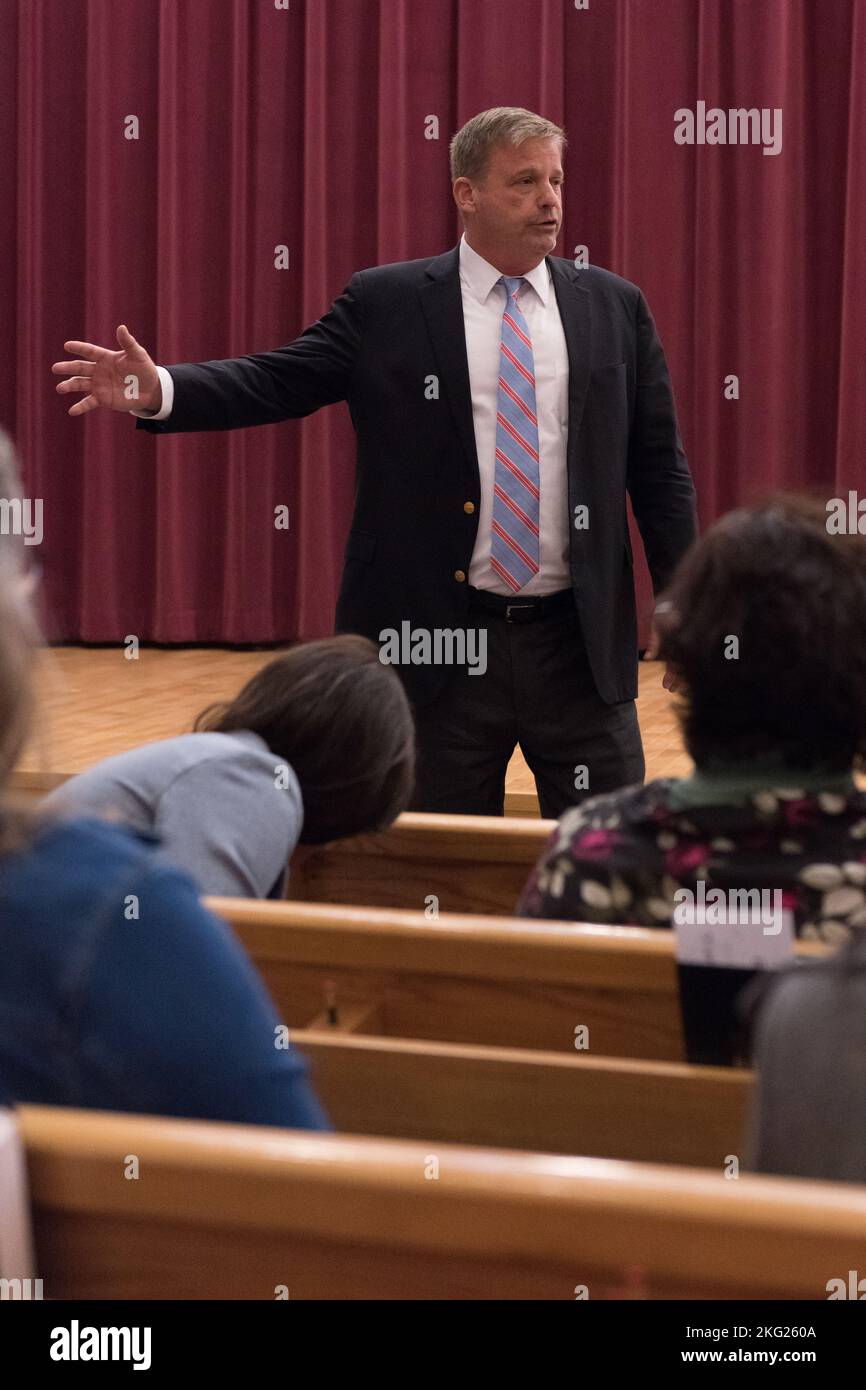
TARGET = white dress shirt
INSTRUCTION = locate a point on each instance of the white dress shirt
(166, 381)
(483, 307)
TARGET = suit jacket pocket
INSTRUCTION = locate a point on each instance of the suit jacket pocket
(361, 545)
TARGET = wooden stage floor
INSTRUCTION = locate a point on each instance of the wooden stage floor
(94, 702)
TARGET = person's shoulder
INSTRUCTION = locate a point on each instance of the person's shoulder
(597, 280)
(400, 274)
(190, 754)
(215, 746)
(160, 758)
(241, 763)
(239, 750)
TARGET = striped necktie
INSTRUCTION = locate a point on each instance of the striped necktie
(516, 482)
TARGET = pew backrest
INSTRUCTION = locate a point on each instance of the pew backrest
(506, 982)
(223, 1211)
(648, 1112)
(553, 986)
(464, 863)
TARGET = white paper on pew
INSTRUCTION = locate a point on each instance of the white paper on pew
(16, 1246)
(734, 945)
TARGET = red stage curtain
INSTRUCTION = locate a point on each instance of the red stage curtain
(305, 126)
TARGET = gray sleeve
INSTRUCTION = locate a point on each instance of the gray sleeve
(229, 825)
(809, 1107)
(96, 793)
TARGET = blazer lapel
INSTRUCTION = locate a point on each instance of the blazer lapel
(442, 304)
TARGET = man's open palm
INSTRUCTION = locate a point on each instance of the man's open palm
(125, 380)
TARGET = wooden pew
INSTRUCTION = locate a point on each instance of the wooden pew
(467, 863)
(223, 1211)
(468, 979)
(501, 982)
(648, 1112)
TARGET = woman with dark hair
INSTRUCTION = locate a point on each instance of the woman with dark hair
(764, 629)
(118, 991)
(318, 745)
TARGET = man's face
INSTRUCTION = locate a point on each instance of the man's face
(513, 216)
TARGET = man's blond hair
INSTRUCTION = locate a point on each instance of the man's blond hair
(473, 145)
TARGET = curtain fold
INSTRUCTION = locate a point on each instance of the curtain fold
(308, 128)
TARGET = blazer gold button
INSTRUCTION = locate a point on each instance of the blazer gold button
(459, 576)
(469, 508)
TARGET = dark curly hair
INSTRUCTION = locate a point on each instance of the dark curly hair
(794, 596)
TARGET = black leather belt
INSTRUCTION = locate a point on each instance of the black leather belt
(520, 610)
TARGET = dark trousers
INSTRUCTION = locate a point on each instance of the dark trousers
(537, 691)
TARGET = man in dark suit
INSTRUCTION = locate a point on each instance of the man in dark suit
(504, 402)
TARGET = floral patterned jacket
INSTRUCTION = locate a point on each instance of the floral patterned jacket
(621, 857)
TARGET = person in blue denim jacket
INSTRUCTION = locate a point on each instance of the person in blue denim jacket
(118, 990)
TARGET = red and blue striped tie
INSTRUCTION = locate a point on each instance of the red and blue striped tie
(516, 481)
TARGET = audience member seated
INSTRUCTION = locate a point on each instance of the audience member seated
(318, 745)
(764, 625)
(118, 991)
(809, 1049)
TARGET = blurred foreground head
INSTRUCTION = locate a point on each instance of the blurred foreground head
(765, 623)
(19, 640)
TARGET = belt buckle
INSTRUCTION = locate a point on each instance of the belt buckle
(509, 606)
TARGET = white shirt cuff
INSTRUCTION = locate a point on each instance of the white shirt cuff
(166, 381)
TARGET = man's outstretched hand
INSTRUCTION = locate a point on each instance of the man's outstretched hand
(125, 380)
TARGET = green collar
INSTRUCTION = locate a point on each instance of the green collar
(734, 785)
